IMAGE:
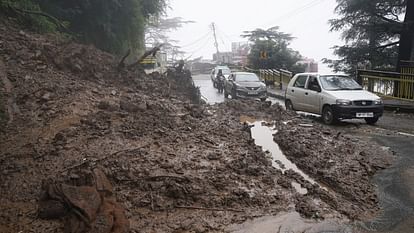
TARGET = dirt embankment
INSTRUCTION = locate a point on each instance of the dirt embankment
(175, 166)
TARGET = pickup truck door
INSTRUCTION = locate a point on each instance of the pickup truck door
(312, 95)
(297, 93)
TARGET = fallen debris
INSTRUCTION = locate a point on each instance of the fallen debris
(85, 208)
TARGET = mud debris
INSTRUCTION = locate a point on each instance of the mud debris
(174, 164)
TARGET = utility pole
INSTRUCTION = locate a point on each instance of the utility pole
(213, 27)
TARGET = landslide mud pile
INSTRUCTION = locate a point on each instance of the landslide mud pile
(174, 165)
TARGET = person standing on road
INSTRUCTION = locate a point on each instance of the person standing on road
(220, 81)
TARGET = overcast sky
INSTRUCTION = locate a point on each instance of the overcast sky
(307, 20)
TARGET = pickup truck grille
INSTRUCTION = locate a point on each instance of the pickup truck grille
(363, 102)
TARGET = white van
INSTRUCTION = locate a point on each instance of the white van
(333, 96)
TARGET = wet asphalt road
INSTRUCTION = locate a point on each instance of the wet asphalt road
(395, 184)
(211, 94)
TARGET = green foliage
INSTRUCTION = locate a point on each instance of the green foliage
(370, 29)
(275, 46)
(37, 23)
(111, 25)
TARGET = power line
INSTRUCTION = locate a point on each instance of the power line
(296, 11)
(201, 47)
(196, 41)
(228, 46)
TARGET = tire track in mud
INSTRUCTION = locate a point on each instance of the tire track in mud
(12, 108)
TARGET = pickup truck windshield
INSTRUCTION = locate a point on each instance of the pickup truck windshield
(247, 78)
(338, 82)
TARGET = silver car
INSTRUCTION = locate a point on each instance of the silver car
(243, 84)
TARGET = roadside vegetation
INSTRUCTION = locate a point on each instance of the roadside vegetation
(377, 34)
(270, 49)
(110, 25)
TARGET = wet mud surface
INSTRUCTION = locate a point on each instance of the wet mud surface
(174, 165)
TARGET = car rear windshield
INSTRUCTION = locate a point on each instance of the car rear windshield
(338, 82)
(247, 78)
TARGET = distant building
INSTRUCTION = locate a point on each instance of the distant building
(311, 64)
(223, 57)
(237, 56)
(240, 51)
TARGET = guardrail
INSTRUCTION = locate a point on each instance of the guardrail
(389, 84)
(275, 77)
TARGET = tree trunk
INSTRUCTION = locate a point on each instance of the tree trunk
(407, 36)
(405, 52)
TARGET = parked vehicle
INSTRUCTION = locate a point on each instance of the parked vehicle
(243, 84)
(224, 69)
(333, 96)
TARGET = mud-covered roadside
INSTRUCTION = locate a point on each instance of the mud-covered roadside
(175, 166)
(344, 164)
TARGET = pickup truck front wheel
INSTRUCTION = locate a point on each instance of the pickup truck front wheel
(328, 116)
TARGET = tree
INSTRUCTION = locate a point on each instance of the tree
(371, 30)
(111, 25)
(270, 50)
(406, 50)
(157, 29)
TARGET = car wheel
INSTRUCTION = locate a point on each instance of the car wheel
(371, 120)
(289, 105)
(233, 94)
(328, 116)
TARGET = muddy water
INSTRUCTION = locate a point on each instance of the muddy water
(288, 222)
(263, 136)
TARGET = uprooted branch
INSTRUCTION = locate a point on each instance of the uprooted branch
(121, 64)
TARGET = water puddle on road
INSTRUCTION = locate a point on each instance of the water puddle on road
(263, 136)
(288, 222)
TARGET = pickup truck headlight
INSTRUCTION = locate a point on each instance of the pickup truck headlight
(377, 102)
(343, 102)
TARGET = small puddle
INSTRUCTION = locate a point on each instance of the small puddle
(288, 222)
(299, 188)
(263, 136)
